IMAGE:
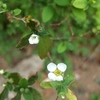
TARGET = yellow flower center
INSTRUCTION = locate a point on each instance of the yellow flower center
(57, 72)
(34, 37)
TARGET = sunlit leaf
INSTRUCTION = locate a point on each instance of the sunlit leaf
(47, 13)
(79, 13)
(70, 95)
(62, 47)
(81, 4)
(46, 84)
(16, 11)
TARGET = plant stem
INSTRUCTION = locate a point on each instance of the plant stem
(49, 56)
(57, 98)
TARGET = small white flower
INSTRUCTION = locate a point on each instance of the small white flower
(1, 71)
(34, 39)
(56, 71)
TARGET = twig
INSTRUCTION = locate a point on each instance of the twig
(22, 19)
(49, 56)
(57, 98)
(59, 22)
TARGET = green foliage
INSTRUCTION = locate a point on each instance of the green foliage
(23, 83)
(16, 12)
(81, 4)
(47, 13)
(32, 79)
(70, 95)
(44, 46)
(23, 42)
(61, 3)
(3, 7)
(17, 97)
(95, 96)
(4, 94)
(28, 96)
(61, 47)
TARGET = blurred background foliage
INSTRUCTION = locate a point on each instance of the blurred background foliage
(74, 25)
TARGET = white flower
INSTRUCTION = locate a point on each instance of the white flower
(56, 71)
(34, 39)
(1, 71)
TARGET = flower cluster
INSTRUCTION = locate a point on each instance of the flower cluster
(34, 39)
(56, 71)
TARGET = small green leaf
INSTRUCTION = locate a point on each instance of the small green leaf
(23, 83)
(17, 97)
(96, 4)
(23, 42)
(70, 95)
(61, 47)
(44, 46)
(46, 84)
(16, 12)
(28, 96)
(32, 79)
(70, 46)
(61, 2)
(68, 80)
(15, 78)
(4, 94)
(47, 13)
(79, 13)
(36, 95)
(55, 84)
(81, 4)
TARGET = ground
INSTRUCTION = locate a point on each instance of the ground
(86, 72)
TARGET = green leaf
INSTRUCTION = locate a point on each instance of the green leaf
(23, 42)
(4, 94)
(81, 4)
(3, 7)
(36, 95)
(61, 2)
(55, 84)
(70, 95)
(46, 84)
(62, 47)
(32, 79)
(16, 12)
(96, 4)
(28, 96)
(23, 83)
(44, 46)
(15, 78)
(79, 13)
(70, 46)
(68, 80)
(17, 97)
(47, 13)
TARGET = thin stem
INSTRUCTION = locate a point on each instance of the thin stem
(49, 56)
(22, 19)
(57, 98)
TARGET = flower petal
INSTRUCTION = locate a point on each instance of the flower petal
(59, 78)
(51, 67)
(52, 76)
(62, 67)
(34, 39)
